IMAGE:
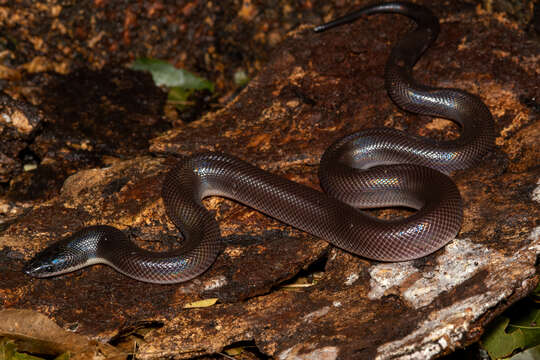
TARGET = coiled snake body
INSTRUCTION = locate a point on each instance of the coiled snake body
(368, 169)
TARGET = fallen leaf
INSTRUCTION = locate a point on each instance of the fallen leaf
(501, 343)
(35, 333)
(201, 303)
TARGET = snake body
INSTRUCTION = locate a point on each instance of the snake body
(368, 169)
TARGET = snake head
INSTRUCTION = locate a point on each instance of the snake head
(66, 255)
(47, 263)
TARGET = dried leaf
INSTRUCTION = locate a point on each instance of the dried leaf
(35, 333)
(235, 351)
(201, 303)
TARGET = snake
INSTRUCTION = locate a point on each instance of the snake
(372, 168)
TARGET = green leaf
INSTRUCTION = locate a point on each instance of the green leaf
(179, 96)
(527, 321)
(530, 354)
(8, 351)
(166, 74)
(501, 343)
(22, 356)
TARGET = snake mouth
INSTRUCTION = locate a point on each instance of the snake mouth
(33, 269)
(39, 269)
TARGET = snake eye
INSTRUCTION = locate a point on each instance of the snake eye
(51, 261)
(38, 268)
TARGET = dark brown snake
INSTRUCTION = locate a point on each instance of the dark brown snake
(368, 169)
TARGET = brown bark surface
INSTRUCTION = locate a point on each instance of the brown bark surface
(111, 136)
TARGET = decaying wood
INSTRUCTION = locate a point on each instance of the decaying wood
(315, 89)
